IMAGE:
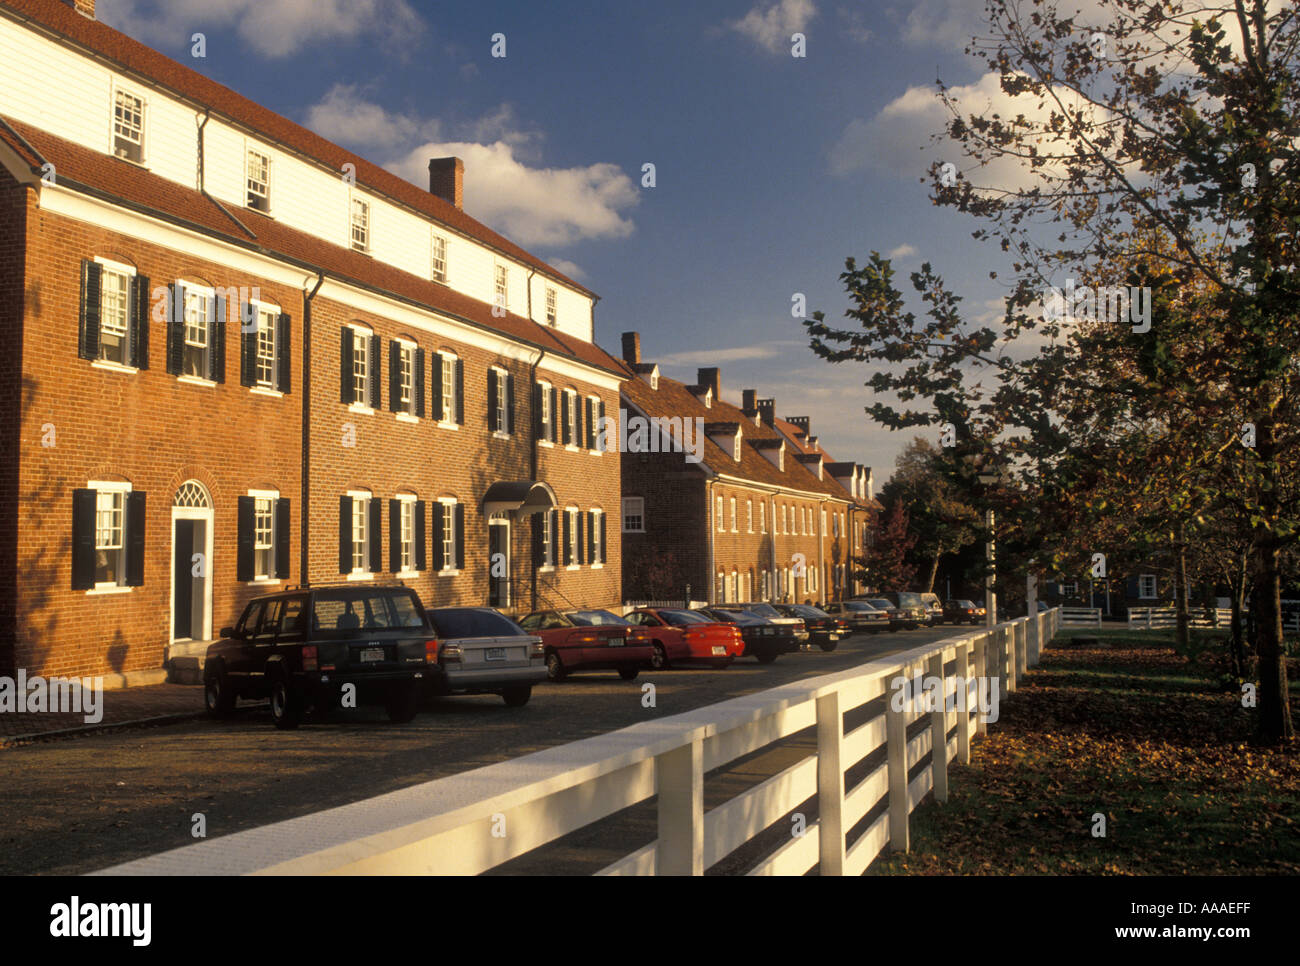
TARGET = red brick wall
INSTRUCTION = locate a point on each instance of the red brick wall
(673, 552)
(15, 203)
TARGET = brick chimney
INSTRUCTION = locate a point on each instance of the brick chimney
(767, 409)
(710, 377)
(800, 421)
(84, 7)
(631, 348)
(749, 402)
(447, 180)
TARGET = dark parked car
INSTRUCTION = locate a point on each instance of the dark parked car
(481, 651)
(961, 612)
(764, 639)
(770, 613)
(305, 648)
(910, 606)
(589, 640)
(860, 615)
(823, 630)
(898, 619)
(933, 607)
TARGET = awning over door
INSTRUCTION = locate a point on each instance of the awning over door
(523, 497)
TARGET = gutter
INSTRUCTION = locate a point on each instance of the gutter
(534, 453)
(207, 113)
(304, 511)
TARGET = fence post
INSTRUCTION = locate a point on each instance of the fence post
(830, 784)
(981, 672)
(896, 762)
(679, 781)
(963, 704)
(1022, 658)
(1009, 657)
(939, 731)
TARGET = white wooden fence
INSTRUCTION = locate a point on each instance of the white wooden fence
(469, 823)
(1081, 616)
(1149, 618)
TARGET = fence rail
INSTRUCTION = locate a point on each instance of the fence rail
(472, 822)
(1081, 616)
(1166, 617)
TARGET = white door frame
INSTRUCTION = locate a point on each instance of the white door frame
(191, 513)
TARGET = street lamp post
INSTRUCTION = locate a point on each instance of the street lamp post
(990, 556)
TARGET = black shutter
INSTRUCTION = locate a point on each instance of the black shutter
(510, 403)
(539, 527)
(282, 524)
(600, 422)
(564, 419)
(217, 353)
(345, 532)
(604, 550)
(175, 328)
(421, 538)
(439, 522)
(283, 341)
(435, 389)
(568, 536)
(394, 376)
(88, 343)
(135, 538)
(582, 550)
(140, 322)
(395, 535)
(460, 536)
(83, 538)
(376, 536)
(417, 372)
(372, 368)
(248, 344)
(591, 538)
(554, 416)
(1132, 587)
(246, 514)
(460, 392)
(591, 423)
(577, 421)
(492, 401)
(539, 428)
(346, 394)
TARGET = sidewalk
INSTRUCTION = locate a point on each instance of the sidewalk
(123, 707)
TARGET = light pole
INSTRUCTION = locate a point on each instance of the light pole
(990, 555)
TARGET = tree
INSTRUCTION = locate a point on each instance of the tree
(942, 519)
(883, 563)
(1164, 161)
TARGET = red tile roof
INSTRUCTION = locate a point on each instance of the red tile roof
(135, 57)
(124, 182)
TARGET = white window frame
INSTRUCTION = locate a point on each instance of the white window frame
(449, 360)
(406, 535)
(361, 336)
(268, 323)
(406, 379)
(359, 233)
(722, 520)
(500, 285)
(269, 497)
(206, 296)
(502, 403)
(634, 506)
(1068, 588)
(120, 490)
(575, 545)
(762, 516)
(597, 560)
(250, 184)
(361, 527)
(574, 443)
(735, 522)
(547, 417)
(120, 90)
(552, 302)
(1142, 587)
(127, 272)
(448, 536)
(749, 516)
(438, 248)
(550, 545)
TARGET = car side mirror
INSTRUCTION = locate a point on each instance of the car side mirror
(227, 632)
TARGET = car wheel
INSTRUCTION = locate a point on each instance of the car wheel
(628, 673)
(830, 645)
(659, 659)
(286, 704)
(217, 696)
(517, 697)
(403, 703)
(768, 658)
(555, 667)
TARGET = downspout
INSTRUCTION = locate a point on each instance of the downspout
(203, 188)
(819, 523)
(305, 510)
(713, 535)
(534, 455)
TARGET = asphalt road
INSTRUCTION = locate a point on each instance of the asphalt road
(81, 804)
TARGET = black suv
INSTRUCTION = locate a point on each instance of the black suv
(303, 648)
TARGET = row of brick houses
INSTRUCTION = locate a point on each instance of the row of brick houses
(758, 511)
(251, 359)
(243, 358)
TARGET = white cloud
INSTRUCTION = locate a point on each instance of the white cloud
(566, 267)
(902, 251)
(275, 28)
(771, 26)
(343, 115)
(708, 357)
(855, 25)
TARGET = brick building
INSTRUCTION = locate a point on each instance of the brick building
(721, 505)
(242, 357)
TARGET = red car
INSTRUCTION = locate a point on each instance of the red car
(681, 636)
(589, 640)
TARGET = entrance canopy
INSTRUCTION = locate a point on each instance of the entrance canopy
(524, 497)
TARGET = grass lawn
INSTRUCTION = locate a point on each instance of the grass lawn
(1128, 728)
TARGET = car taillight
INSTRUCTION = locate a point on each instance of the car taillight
(538, 649)
(449, 653)
(309, 657)
(431, 651)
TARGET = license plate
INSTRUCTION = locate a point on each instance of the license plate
(719, 649)
(371, 654)
(615, 641)
(495, 654)
(834, 637)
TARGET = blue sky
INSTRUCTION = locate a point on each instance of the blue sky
(770, 169)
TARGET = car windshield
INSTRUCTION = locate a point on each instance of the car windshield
(763, 610)
(807, 610)
(374, 610)
(594, 618)
(859, 605)
(965, 603)
(683, 617)
(881, 604)
(907, 598)
(452, 623)
(744, 618)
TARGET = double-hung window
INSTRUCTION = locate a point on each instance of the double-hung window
(264, 347)
(406, 378)
(406, 534)
(258, 177)
(722, 523)
(550, 306)
(634, 514)
(360, 225)
(263, 537)
(439, 260)
(115, 314)
(107, 537)
(262, 551)
(501, 286)
(200, 309)
(128, 126)
(359, 366)
(110, 545)
(360, 534)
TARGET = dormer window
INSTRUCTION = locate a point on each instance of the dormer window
(259, 181)
(360, 225)
(654, 380)
(439, 258)
(550, 306)
(128, 127)
(735, 450)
